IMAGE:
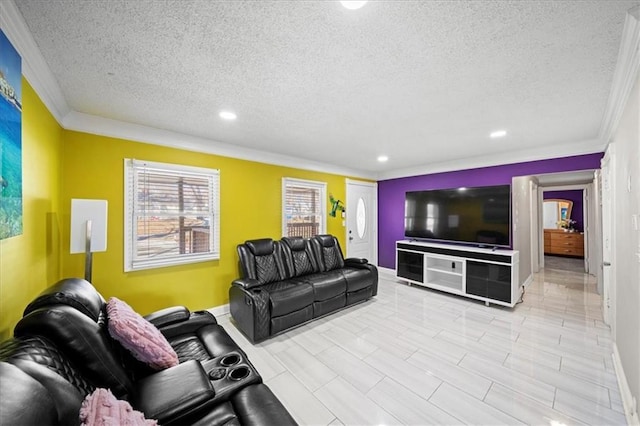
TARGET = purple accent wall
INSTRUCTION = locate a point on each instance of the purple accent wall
(574, 195)
(391, 192)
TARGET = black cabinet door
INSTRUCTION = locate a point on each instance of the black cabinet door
(477, 286)
(489, 280)
(410, 265)
(498, 290)
(499, 283)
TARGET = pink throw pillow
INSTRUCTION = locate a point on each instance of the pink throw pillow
(139, 336)
(101, 408)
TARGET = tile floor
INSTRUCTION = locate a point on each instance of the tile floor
(574, 264)
(416, 356)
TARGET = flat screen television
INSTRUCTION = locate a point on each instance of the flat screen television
(479, 216)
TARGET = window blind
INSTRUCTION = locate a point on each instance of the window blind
(304, 211)
(171, 213)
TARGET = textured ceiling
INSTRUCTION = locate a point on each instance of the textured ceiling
(422, 82)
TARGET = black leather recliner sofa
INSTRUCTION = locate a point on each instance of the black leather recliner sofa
(289, 282)
(61, 351)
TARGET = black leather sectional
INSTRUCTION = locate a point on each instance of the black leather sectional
(289, 282)
(61, 351)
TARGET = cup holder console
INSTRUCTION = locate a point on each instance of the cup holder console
(239, 373)
(217, 373)
(230, 372)
(229, 360)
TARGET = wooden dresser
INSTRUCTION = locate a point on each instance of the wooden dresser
(556, 241)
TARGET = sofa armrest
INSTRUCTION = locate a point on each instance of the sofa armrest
(168, 316)
(175, 393)
(250, 310)
(246, 283)
(364, 264)
(195, 322)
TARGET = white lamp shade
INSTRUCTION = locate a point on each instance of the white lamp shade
(81, 212)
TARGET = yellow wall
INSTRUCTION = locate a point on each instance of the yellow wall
(250, 203)
(31, 262)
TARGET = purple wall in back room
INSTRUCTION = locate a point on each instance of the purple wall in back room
(391, 192)
(574, 195)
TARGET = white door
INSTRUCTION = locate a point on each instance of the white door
(596, 227)
(362, 220)
(608, 270)
(586, 223)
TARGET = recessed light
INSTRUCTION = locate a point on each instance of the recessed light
(498, 134)
(228, 115)
(353, 5)
(383, 158)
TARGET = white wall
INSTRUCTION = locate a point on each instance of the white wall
(521, 199)
(626, 239)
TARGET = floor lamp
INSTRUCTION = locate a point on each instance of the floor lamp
(88, 230)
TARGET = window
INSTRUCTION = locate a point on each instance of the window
(304, 211)
(171, 214)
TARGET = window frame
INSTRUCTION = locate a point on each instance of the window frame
(310, 184)
(131, 167)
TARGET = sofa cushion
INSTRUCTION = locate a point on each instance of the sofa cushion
(288, 296)
(284, 322)
(301, 263)
(266, 269)
(328, 252)
(261, 247)
(261, 260)
(95, 352)
(205, 343)
(101, 408)
(139, 336)
(360, 295)
(256, 404)
(221, 415)
(357, 279)
(326, 285)
(24, 400)
(74, 292)
(322, 307)
(299, 257)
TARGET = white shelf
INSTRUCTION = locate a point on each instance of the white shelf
(445, 280)
(445, 271)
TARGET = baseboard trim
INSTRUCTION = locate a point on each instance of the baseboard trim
(628, 400)
(219, 310)
(387, 272)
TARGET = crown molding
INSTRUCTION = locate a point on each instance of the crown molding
(34, 67)
(625, 74)
(122, 130)
(37, 72)
(509, 157)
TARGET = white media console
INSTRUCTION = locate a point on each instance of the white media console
(490, 275)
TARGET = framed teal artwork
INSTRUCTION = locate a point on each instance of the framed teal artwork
(10, 140)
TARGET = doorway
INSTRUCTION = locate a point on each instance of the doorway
(579, 188)
(362, 220)
(565, 221)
